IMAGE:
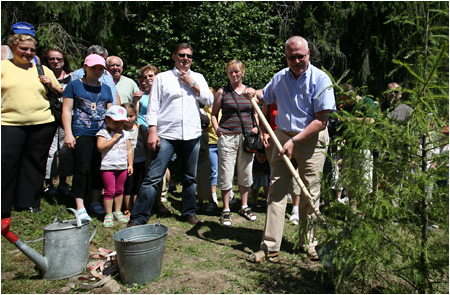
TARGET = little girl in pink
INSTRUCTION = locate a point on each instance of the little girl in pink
(117, 162)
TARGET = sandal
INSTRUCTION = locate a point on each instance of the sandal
(260, 256)
(225, 219)
(83, 215)
(120, 217)
(248, 214)
(108, 221)
(312, 254)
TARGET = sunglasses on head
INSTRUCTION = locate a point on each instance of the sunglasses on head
(185, 55)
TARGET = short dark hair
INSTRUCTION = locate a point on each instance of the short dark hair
(182, 46)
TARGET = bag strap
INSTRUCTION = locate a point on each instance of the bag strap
(40, 70)
(238, 111)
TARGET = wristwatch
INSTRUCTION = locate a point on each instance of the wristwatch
(293, 140)
(192, 84)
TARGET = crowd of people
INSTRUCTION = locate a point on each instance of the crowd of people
(118, 137)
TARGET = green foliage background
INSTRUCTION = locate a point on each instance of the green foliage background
(362, 38)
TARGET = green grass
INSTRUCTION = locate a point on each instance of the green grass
(200, 259)
(197, 259)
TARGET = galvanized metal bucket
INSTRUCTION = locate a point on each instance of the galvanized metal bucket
(140, 251)
(66, 246)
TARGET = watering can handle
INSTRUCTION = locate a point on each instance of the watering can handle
(77, 216)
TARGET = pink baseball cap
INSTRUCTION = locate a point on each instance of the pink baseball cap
(117, 113)
(93, 60)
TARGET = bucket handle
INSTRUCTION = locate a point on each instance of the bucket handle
(125, 242)
(77, 216)
(93, 234)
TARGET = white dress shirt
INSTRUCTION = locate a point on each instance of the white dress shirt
(173, 106)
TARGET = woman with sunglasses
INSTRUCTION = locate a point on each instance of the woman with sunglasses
(58, 62)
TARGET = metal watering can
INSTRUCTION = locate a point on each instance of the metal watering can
(66, 246)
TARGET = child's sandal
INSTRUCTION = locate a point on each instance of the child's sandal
(120, 217)
(108, 221)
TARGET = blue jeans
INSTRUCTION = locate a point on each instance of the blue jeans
(214, 160)
(187, 151)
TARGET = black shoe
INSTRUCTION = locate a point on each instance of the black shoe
(34, 209)
(51, 192)
(161, 210)
(131, 224)
(63, 189)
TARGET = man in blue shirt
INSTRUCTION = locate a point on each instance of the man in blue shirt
(305, 99)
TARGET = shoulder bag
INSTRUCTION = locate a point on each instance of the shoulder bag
(53, 97)
(251, 140)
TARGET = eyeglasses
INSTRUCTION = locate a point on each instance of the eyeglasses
(299, 57)
(184, 55)
(55, 58)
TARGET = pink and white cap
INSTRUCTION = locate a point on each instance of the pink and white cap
(117, 113)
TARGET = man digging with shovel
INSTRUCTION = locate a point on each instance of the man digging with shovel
(305, 99)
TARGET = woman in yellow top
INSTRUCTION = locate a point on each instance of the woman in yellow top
(27, 126)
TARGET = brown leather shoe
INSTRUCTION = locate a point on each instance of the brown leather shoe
(193, 220)
(261, 255)
(312, 254)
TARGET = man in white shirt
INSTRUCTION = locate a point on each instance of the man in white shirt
(126, 87)
(173, 117)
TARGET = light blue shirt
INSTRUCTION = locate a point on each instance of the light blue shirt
(106, 79)
(299, 99)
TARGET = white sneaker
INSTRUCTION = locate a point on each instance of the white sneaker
(343, 200)
(294, 219)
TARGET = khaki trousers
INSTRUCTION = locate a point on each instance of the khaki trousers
(294, 188)
(309, 157)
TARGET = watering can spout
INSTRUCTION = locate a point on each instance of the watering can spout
(37, 258)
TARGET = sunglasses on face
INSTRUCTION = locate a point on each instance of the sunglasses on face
(184, 55)
(299, 57)
(55, 58)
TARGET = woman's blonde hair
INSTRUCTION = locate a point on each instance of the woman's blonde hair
(235, 64)
(16, 38)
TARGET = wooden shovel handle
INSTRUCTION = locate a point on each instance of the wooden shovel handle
(293, 171)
